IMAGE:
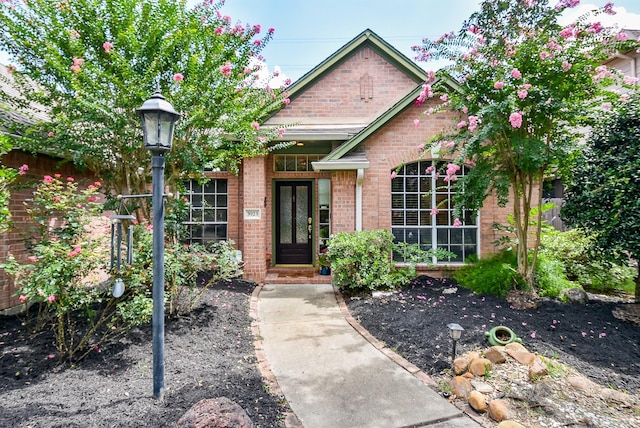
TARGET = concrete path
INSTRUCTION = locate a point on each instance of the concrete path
(331, 376)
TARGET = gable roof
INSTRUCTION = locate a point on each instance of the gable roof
(366, 38)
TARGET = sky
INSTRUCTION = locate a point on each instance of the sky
(309, 31)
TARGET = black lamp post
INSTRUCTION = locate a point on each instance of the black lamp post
(158, 121)
(455, 332)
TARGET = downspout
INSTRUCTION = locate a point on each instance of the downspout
(359, 180)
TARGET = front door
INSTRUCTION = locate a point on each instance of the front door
(294, 222)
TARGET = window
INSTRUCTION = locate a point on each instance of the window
(207, 221)
(294, 163)
(324, 212)
(414, 193)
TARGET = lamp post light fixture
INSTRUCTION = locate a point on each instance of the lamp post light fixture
(455, 332)
(158, 121)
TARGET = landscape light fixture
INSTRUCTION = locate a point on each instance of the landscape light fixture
(158, 122)
(455, 332)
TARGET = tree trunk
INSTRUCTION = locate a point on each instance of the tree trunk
(638, 282)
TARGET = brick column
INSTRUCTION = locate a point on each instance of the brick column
(255, 230)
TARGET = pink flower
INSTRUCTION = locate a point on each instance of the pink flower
(286, 101)
(226, 69)
(515, 73)
(256, 28)
(621, 37)
(608, 9)
(255, 125)
(48, 179)
(22, 298)
(56, 199)
(51, 298)
(498, 85)
(257, 42)
(624, 98)
(462, 124)
(449, 144)
(178, 77)
(457, 223)
(77, 65)
(107, 46)
(603, 335)
(50, 134)
(74, 35)
(522, 94)
(92, 199)
(10, 69)
(601, 72)
(70, 179)
(32, 258)
(630, 80)
(544, 55)
(416, 122)
(444, 97)
(452, 169)
(97, 183)
(473, 122)
(584, 334)
(566, 66)
(429, 169)
(568, 32)
(533, 334)
(271, 30)
(149, 227)
(420, 147)
(515, 119)
(57, 175)
(595, 28)
(606, 106)
(393, 175)
(434, 211)
(23, 169)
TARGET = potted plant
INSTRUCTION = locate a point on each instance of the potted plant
(323, 263)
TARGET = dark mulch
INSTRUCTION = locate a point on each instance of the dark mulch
(588, 337)
(208, 354)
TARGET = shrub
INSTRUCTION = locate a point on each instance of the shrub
(550, 277)
(362, 261)
(61, 275)
(592, 270)
(496, 275)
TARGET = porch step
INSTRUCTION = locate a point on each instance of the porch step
(297, 275)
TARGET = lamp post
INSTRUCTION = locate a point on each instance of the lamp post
(158, 121)
(455, 332)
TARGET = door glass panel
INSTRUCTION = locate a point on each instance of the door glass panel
(285, 220)
(302, 213)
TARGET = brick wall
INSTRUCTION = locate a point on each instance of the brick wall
(364, 85)
(256, 232)
(12, 242)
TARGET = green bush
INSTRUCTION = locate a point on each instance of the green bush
(592, 270)
(362, 261)
(62, 275)
(496, 275)
(550, 277)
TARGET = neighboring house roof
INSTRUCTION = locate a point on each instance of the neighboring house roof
(8, 113)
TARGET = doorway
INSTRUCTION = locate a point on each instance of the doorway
(294, 222)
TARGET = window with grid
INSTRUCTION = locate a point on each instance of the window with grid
(294, 163)
(422, 212)
(208, 213)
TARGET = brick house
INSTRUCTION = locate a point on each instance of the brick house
(353, 117)
(354, 124)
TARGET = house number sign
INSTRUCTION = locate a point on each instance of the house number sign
(252, 213)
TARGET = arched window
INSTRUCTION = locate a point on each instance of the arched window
(422, 212)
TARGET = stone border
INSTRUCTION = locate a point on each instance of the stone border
(290, 419)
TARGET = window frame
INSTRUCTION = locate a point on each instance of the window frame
(208, 211)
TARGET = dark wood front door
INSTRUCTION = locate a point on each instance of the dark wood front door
(294, 222)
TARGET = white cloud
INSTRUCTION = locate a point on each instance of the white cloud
(622, 18)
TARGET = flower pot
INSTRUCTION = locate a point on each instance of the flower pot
(501, 335)
(325, 270)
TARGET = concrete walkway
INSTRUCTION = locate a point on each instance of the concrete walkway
(331, 376)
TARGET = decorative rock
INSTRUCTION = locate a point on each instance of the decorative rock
(580, 383)
(460, 365)
(461, 387)
(515, 346)
(523, 357)
(537, 369)
(510, 424)
(468, 375)
(576, 295)
(215, 413)
(473, 355)
(480, 366)
(613, 395)
(523, 300)
(499, 410)
(483, 387)
(477, 401)
(496, 354)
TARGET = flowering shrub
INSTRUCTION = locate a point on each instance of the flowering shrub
(530, 85)
(62, 272)
(7, 175)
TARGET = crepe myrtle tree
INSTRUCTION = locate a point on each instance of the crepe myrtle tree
(89, 64)
(602, 195)
(7, 176)
(526, 87)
